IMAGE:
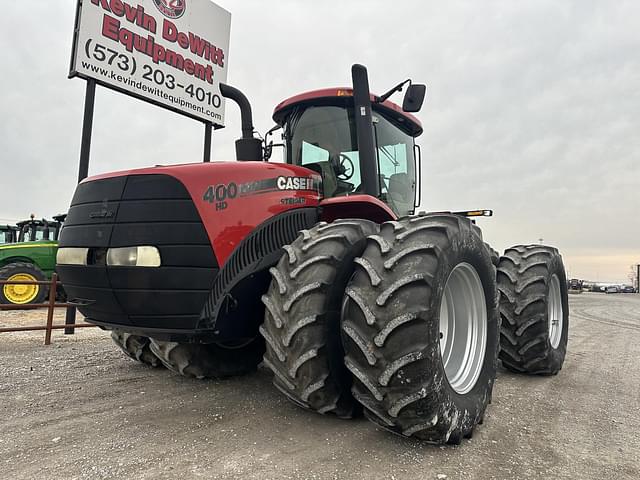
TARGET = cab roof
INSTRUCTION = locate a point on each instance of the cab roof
(342, 97)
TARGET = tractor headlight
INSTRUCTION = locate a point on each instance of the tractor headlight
(72, 256)
(144, 256)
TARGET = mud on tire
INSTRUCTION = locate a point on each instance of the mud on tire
(534, 307)
(136, 347)
(199, 360)
(391, 327)
(302, 316)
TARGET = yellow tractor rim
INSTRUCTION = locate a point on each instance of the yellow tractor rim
(21, 294)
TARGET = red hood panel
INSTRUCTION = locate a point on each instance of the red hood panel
(233, 198)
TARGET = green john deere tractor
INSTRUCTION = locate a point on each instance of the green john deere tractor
(28, 253)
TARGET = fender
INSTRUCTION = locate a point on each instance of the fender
(356, 206)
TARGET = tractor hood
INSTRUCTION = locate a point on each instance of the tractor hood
(159, 250)
(228, 196)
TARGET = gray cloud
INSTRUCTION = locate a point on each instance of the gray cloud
(533, 108)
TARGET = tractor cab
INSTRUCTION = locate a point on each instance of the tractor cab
(34, 230)
(321, 133)
(359, 143)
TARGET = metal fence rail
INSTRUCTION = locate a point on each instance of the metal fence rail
(51, 305)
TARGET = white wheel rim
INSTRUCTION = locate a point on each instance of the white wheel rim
(554, 312)
(463, 328)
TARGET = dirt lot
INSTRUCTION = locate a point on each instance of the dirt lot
(81, 409)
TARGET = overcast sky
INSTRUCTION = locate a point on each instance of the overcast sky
(533, 108)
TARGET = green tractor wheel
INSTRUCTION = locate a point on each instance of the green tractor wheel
(22, 294)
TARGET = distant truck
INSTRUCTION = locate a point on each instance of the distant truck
(28, 253)
(575, 285)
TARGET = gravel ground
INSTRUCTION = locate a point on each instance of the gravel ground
(80, 409)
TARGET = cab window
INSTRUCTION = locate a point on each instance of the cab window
(396, 166)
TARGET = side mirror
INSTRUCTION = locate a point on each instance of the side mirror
(414, 97)
(268, 143)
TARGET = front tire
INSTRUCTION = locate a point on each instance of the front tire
(420, 328)
(534, 306)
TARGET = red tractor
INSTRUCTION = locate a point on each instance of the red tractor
(318, 267)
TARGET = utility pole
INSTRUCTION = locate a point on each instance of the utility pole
(638, 278)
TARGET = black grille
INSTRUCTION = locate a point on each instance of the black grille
(139, 210)
(259, 250)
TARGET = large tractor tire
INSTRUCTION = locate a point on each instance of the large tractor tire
(215, 360)
(420, 328)
(22, 294)
(534, 307)
(136, 347)
(302, 316)
(495, 256)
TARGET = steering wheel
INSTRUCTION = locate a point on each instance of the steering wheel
(345, 168)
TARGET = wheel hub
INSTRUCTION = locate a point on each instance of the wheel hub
(463, 328)
(21, 294)
(554, 311)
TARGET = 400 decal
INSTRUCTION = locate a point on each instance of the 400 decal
(219, 194)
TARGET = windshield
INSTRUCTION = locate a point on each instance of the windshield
(37, 232)
(324, 140)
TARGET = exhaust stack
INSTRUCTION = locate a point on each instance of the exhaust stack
(248, 148)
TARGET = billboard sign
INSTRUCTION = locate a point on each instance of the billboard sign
(172, 53)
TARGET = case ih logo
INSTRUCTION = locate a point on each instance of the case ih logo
(171, 8)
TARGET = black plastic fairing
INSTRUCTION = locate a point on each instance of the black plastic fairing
(136, 210)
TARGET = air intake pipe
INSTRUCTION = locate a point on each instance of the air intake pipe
(247, 147)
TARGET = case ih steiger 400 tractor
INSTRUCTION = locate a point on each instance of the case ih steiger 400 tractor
(319, 268)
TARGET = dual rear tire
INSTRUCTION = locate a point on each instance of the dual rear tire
(192, 359)
(534, 309)
(136, 347)
(200, 360)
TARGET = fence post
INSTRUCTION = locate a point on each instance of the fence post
(52, 303)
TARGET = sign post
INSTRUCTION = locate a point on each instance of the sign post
(87, 129)
(207, 141)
